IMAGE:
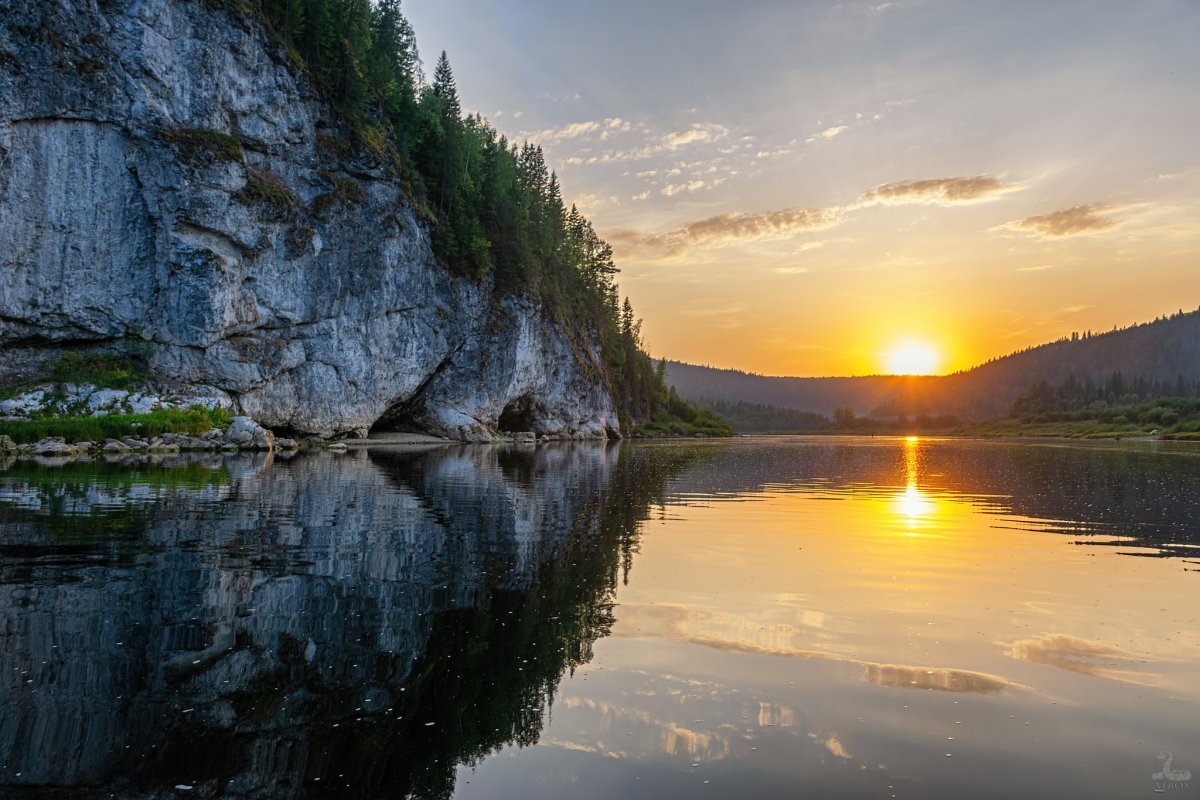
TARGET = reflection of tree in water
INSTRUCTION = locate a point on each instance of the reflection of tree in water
(488, 675)
(298, 625)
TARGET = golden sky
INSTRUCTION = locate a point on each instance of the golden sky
(803, 189)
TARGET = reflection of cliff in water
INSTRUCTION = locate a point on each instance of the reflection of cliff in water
(273, 629)
(1149, 491)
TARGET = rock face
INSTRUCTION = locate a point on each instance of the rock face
(166, 184)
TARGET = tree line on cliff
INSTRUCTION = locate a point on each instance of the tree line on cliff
(495, 207)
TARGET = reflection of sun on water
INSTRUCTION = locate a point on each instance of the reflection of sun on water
(912, 504)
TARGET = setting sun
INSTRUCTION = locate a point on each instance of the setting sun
(912, 359)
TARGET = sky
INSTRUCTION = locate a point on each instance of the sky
(836, 188)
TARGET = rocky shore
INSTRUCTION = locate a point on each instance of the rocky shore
(242, 434)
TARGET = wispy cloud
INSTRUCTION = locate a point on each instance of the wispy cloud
(576, 130)
(728, 229)
(610, 130)
(938, 191)
(698, 132)
(1077, 221)
(736, 228)
(672, 189)
(828, 133)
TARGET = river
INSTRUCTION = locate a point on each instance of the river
(750, 618)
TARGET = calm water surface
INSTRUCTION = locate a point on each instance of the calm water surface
(750, 618)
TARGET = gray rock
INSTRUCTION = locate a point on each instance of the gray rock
(323, 324)
(7, 445)
(245, 433)
(284, 443)
(53, 447)
(24, 404)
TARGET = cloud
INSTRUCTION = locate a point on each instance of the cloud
(791, 270)
(569, 98)
(1036, 268)
(777, 153)
(699, 132)
(828, 133)
(937, 191)
(1077, 221)
(728, 229)
(736, 228)
(672, 189)
(575, 130)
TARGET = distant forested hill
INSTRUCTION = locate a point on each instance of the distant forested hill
(1152, 359)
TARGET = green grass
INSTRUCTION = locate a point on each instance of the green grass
(1183, 436)
(202, 146)
(346, 191)
(267, 189)
(665, 425)
(192, 421)
(102, 370)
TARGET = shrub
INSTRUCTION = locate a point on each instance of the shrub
(346, 191)
(266, 188)
(203, 146)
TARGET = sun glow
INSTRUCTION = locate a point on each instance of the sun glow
(912, 358)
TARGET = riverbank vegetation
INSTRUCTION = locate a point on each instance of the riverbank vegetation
(1112, 409)
(1071, 410)
(193, 421)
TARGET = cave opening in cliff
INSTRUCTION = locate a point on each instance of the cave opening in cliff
(401, 417)
(517, 416)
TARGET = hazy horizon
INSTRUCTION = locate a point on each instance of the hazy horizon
(805, 189)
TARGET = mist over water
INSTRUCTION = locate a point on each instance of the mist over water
(761, 617)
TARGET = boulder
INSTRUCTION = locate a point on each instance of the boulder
(53, 447)
(245, 433)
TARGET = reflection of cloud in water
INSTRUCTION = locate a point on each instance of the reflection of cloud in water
(677, 623)
(1084, 656)
(945, 680)
(649, 735)
(770, 714)
(614, 730)
(833, 745)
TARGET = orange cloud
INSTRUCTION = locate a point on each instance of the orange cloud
(1075, 221)
(938, 191)
(727, 229)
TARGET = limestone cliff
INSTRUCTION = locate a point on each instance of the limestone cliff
(170, 181)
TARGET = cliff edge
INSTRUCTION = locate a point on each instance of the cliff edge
(171, 183)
